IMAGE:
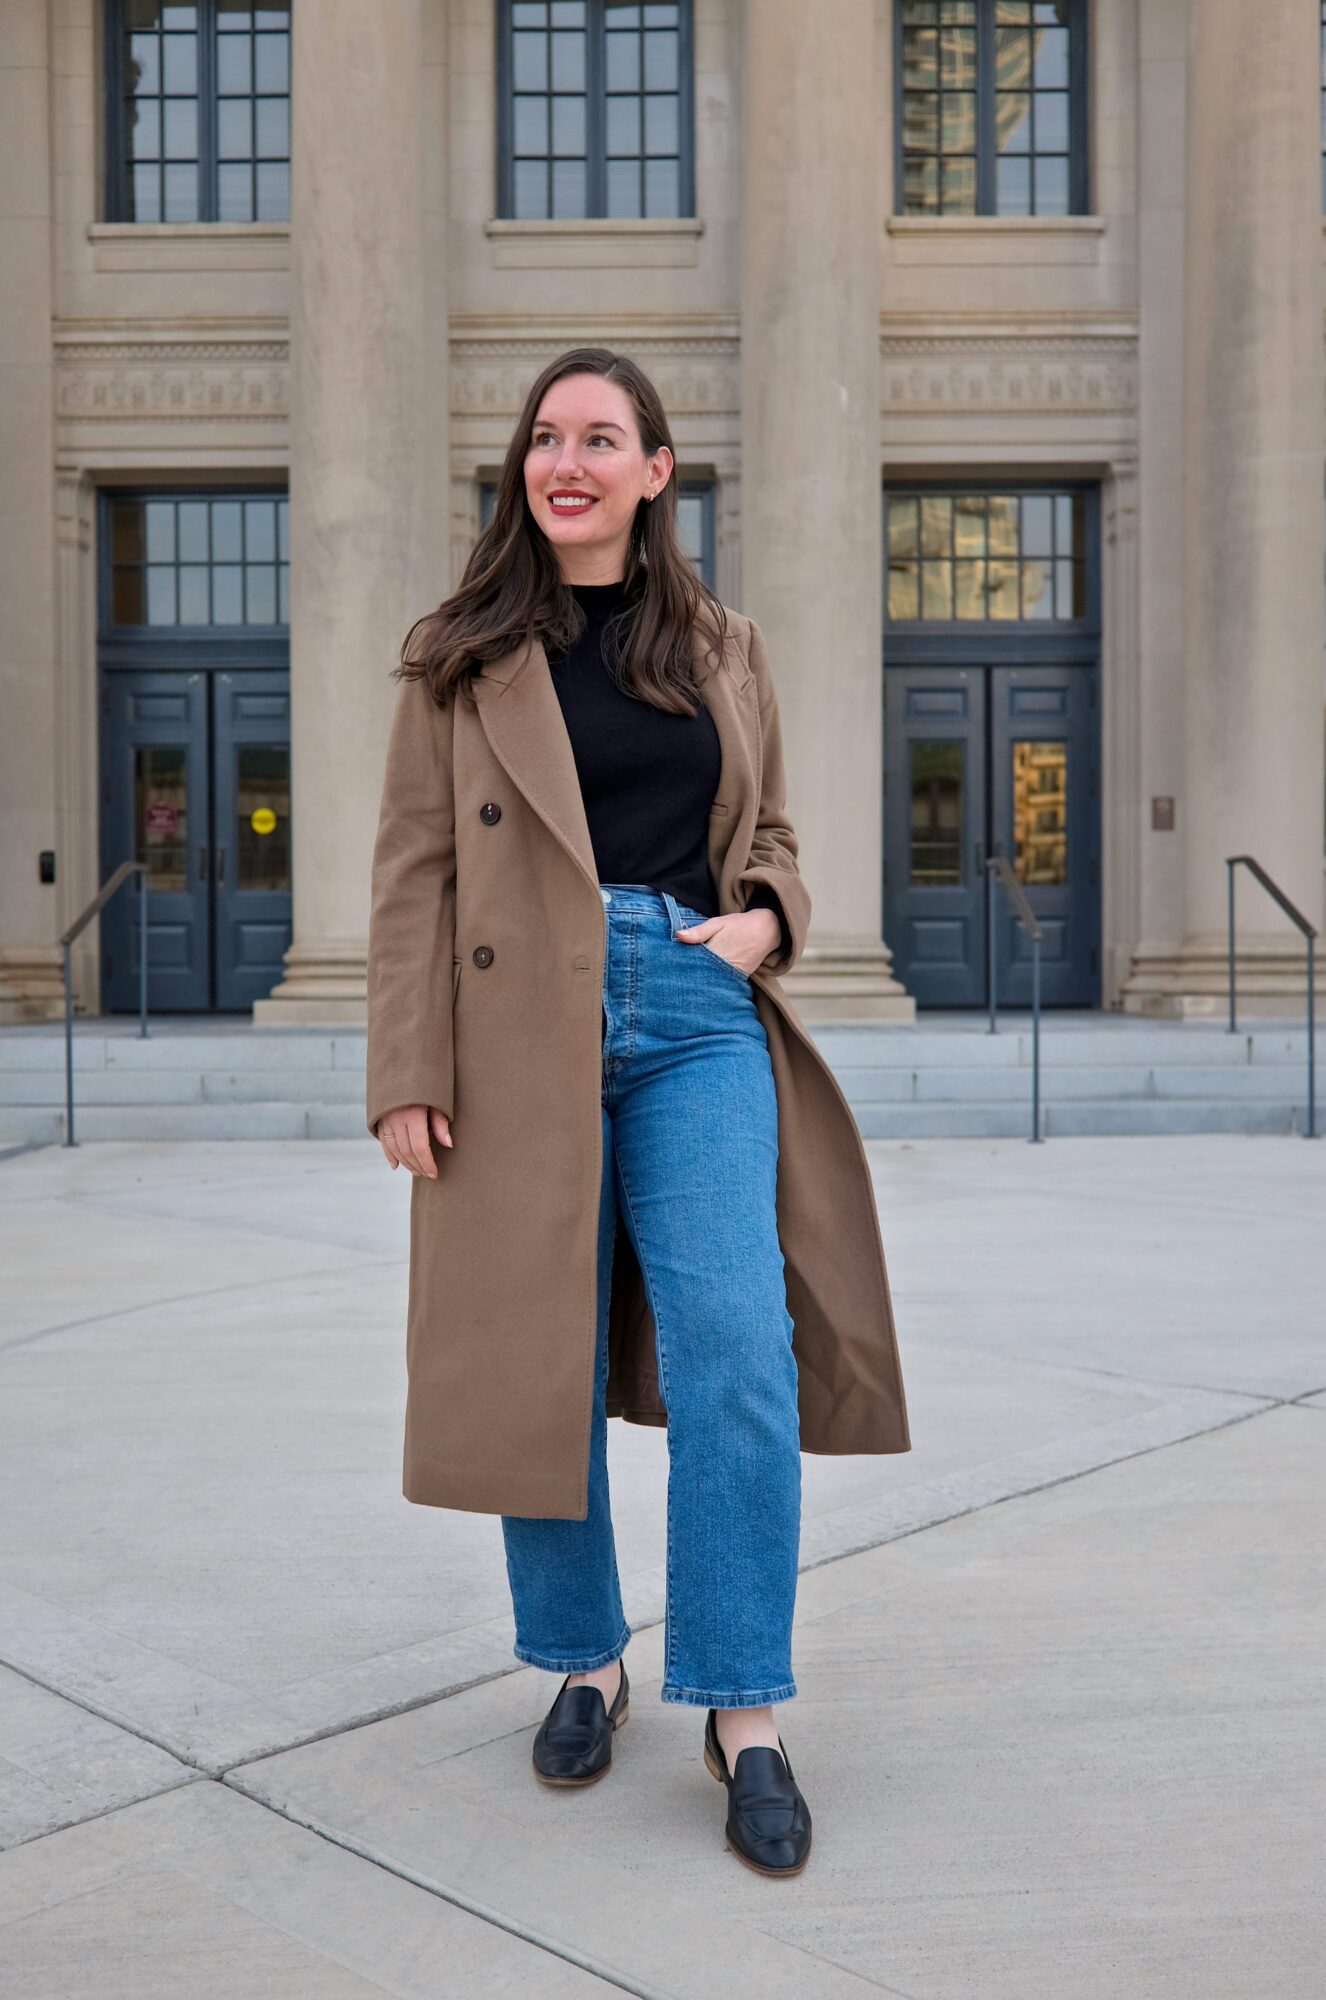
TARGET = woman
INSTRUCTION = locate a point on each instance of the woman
(583, 714)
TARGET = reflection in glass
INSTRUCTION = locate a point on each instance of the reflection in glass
(262, 832)
(935, 792)
(997, 556)
(1040, 813)
(161, 814)
(1016, 114)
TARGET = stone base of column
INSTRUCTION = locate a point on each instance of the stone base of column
(1190, 981)
(325, 985)
(848, 982)
(32, 984)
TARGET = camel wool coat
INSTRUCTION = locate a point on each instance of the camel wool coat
(487, 939)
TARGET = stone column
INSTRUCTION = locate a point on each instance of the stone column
(32, 913)
(368, 464)
(812, 564)
(1254, 518)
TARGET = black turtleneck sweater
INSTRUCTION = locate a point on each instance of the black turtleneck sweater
(647, 778)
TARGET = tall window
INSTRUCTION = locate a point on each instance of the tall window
(990, 110)
(198, 121)
(595, 108)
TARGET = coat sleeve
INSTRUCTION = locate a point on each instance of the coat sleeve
(412, 916)
(773, 854)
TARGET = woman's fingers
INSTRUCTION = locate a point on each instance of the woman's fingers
(404, 1134)
(441, 1127)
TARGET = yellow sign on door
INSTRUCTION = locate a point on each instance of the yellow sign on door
(262, 819)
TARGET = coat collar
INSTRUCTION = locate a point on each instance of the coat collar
(522, 719)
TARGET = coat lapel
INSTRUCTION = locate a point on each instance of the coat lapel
(522, 720)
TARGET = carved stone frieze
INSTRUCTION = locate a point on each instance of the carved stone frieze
(696, 377)
(145, 379)
(1026, 374)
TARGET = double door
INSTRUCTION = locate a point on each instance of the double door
(196, 782)
(984, 760)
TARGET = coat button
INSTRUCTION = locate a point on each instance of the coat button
(483, 954)
(490, 813)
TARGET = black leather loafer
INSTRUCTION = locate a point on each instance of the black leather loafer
(574, 1743)
(768, 1821)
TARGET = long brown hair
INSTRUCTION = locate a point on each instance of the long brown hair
(512, 588)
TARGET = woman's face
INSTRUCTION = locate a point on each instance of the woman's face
(586, 473)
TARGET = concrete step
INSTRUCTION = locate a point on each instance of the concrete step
(929, 1119)
(223, 1078)
(1082, 1117)
(46, 1126)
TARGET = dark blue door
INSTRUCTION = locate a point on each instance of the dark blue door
(156, 809)
(984, 760)
(1044, 816)
(935, 830)
(251, 833)
(196, 782)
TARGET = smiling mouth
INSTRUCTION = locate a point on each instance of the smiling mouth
(580, 503)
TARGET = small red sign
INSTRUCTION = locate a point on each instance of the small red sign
(162, 817)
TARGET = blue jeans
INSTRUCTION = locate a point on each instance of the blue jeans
(690, 1152)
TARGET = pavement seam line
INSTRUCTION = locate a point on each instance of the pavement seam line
(483, 1911)
(222, 1773)
(1155, 1382)
(187, 1298)
(105, 1812)
(1043, 1486)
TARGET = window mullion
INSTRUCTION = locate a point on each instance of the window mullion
(596, 109)
(985, 107)
(1078, 134)
(208, 207)
(117, 178)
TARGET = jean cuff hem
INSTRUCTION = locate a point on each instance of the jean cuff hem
(580, 1663)
(728, 1697)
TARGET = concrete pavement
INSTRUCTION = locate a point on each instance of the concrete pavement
(1060, 1718)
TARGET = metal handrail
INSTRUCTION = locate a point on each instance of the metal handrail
(1309, 931)
(997, 869)
(80, 923)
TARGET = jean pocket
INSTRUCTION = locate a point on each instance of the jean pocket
(690, 917)
(726, 963)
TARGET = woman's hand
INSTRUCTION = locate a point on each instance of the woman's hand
(403, 1135)
(749, 936)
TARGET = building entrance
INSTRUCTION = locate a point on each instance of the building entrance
(992, 737)
(198, 786)
(987, 760)
(194, 644)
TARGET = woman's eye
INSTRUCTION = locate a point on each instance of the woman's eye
(595, 437)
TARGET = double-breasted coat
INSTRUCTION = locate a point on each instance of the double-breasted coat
(486, 950)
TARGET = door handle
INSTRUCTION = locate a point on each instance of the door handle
(202, 864)
(220, 864)
(980, 857)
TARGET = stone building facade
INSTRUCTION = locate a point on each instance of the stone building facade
(992, 340)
